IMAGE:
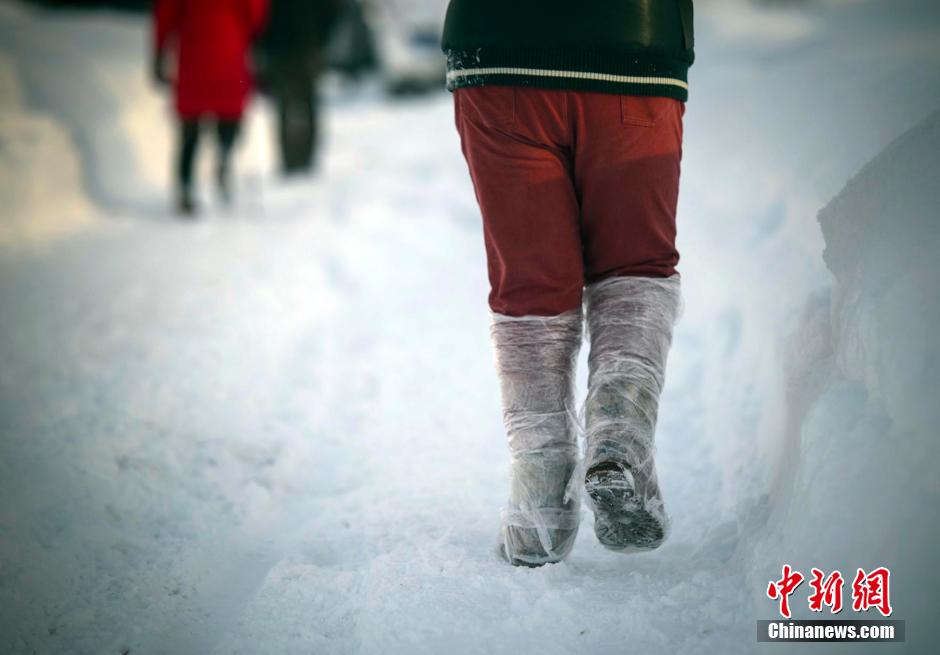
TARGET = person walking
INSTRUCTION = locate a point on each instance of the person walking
(209, 42)
(292, 48)
(570, 120)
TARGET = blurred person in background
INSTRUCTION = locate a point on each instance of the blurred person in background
(570, 118)
(352, 47)
(209, 43)
(292, 50)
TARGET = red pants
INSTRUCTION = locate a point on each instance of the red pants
(574, 187)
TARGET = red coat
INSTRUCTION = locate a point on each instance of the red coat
(211, 39)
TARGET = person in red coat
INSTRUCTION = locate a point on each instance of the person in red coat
(210, 42)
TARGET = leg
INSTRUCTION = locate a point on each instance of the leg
(516, 143)
(628, 178)
(227, 131)
(296, 115)
(521, 174)
(189, 140)
(630, 321)
(627, 172)
(535, 360)
(313, 140)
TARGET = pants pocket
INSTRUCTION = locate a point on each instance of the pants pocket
(492, 106)
(640, 111)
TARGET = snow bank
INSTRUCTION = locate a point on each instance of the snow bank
(857, 486)
(87, 71)
(85, 74)
(40, 176)
(882, 236)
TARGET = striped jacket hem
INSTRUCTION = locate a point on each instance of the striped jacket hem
(636, 74)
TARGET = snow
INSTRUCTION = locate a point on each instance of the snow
(864, 378)
(30, 143)
(277, 430)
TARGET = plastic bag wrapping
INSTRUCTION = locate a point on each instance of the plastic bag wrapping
(630, 322)
(535, 361)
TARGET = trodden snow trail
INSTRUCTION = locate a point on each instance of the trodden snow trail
(278, 434)
(285, 433)
(278, 430)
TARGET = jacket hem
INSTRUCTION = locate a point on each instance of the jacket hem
(605, 72)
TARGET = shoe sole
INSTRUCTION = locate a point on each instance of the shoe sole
(620, 523)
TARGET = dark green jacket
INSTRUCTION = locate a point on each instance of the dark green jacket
(641, 47)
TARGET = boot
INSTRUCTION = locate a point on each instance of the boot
(535, 360)
(630, 323)
(185, 203)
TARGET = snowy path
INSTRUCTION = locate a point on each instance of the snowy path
(279, 431)
(306, 409)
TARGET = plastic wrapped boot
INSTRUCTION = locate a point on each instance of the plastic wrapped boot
(535, 360)
(630, 323)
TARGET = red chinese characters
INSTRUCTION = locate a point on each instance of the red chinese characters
(782, 588)
(871, 590)
(826, 591)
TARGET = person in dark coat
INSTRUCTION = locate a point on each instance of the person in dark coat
(570, 119)
(210, 41)
(292, 49)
